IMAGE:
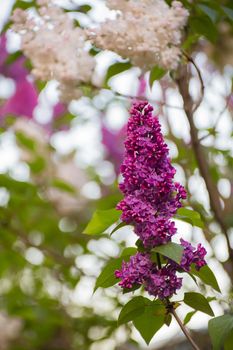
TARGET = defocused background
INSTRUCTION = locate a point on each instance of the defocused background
(60, 162)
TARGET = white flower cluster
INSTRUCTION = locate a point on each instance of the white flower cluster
(55, 47)
(148, 32)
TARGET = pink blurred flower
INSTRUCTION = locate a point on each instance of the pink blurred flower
(25, 98)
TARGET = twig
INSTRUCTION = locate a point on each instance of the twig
(191, 60)
(184, 329)
(170, 310)
(143, 98)
(214, 197)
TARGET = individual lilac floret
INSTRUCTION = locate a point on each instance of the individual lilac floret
(133, 272)
(192, 255)
(151, 195)
(163, 283)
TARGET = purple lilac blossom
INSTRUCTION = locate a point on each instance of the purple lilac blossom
(192, 255)
(151, 199)
(151, 195)
(163, 283)
(140, 270)
(133, 272)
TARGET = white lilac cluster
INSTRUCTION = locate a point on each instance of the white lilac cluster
(55, 47)
(148, 32)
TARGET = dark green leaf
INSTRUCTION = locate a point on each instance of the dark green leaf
(120, 225)
(219, 329)
(211, 13)
(228, 12)
(190, 216)
(168, 319)
(115, 69)
(13, 57)
(207, 276)
(107, 278)
(171, 250)
(101, 220)
(151, 320)
(189, 316)
(131, 310)
(130, 290)
(229, 341)
(156, 74)
(198, 302)
(204, 26)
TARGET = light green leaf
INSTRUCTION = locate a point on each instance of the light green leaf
(156, 74)
(25, 141)
(190, 216)
(198, 302)
(101, 220)
(129, 251)
(171, 250)
(134, 308)
(151, 320)
(189, 316)
(219, 329)
(63, 186)
(207, 276)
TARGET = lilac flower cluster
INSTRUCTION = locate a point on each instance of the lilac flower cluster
(151, 195)
(151, 198)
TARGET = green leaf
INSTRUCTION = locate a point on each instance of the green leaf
(37, 165)
(204, 26)
(189, 316)
(171, 250)
(211, 13)
(168, 319)
(25, 141)
(13, 57)
(129, 251)
(156, 74)
(229, 341)
(219, 329)
(64, 186)
(120, 225)
(198, 302)
(134, 308)
(107, 278)
(207, 276)
(228, 12)
(190, 216)
(151, 320)
(101, 220)
(115, 69)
